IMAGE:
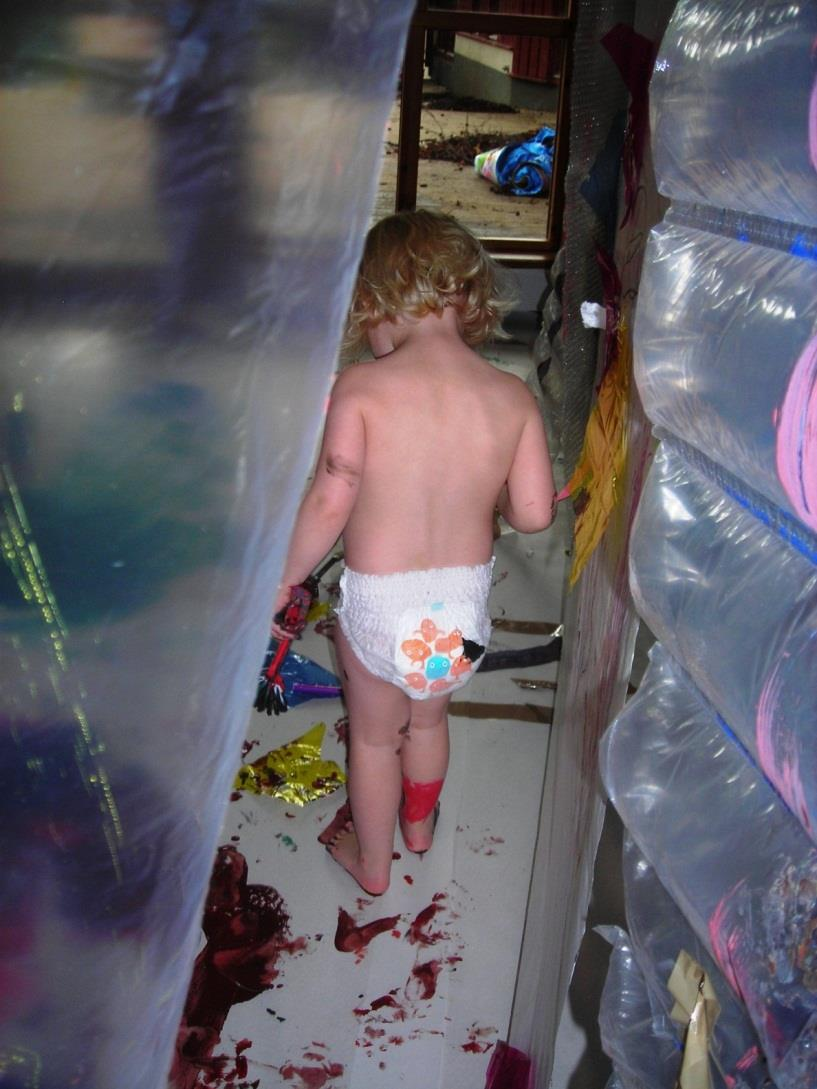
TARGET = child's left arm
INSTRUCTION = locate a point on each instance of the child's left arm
(327, 505)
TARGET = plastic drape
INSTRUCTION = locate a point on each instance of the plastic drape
(642, 1045)
(181, 218)
(726, 356)
(715, 782)
(659, 933)
(690, 536)
(735, 107)
(728, 851)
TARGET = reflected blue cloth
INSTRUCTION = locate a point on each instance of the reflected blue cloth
(525, 169)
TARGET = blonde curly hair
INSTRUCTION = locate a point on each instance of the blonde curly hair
(419, 262)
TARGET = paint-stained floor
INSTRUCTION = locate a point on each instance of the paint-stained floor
(331, 989)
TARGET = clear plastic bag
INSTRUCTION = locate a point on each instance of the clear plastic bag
(658, 935)
(725, 357)
(730, 854)
(734, 111)
(737, 606)
(642, 1045)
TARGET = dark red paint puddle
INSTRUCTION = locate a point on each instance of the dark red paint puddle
(351, 938)
(312, 1077)
(247, 929)
(416, 933)
(477, 1044)
(426, 976)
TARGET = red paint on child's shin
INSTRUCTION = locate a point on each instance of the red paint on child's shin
(420, 799)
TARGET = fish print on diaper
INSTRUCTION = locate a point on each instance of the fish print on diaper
(433, 656)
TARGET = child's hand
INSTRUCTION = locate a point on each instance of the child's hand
(290, 610)
(282, 599)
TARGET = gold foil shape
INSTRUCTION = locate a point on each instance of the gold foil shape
(697, 1007)
(294, 773)
(318, 610)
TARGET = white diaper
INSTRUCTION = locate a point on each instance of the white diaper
(424, 631)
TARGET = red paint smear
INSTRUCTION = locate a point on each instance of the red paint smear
(426, 976)
(312, 1077)
(475, 1048)
(419, 798)
(341, 730)
(351, 938)
(415, 933)
(396, 856)
(437, 897)
(247, 928)
(409, 880)
(385, 1000)
(396, 1040)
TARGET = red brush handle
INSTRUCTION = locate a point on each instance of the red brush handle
(278, 658)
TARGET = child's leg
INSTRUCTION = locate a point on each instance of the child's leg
(378, 712)
(424, 762)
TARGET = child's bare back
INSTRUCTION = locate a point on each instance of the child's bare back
(434, 432)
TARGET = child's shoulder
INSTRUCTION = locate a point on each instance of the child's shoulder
(354, 378)
(512, 386)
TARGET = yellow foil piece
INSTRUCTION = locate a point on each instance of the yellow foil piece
(697, 1007)
(317, 611)
(294, 773)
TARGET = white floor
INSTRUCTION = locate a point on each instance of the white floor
(420, 1005)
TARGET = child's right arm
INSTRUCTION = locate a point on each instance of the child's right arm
(326, 507)
(528, 499)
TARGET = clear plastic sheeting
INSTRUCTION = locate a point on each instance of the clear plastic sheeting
(642, 1045)
(734, 107)
(659, 933)
(702, 568)
(726, 357)
(730, 854)
(180, 222)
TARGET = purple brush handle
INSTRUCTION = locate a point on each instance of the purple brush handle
(327, 690)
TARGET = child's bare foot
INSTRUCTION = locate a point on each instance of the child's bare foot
(419, 835)
(345, 850)
(342, 819)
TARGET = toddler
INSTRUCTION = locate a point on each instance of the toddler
(421, 445)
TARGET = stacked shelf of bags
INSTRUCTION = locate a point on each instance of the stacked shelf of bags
(713, 763)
